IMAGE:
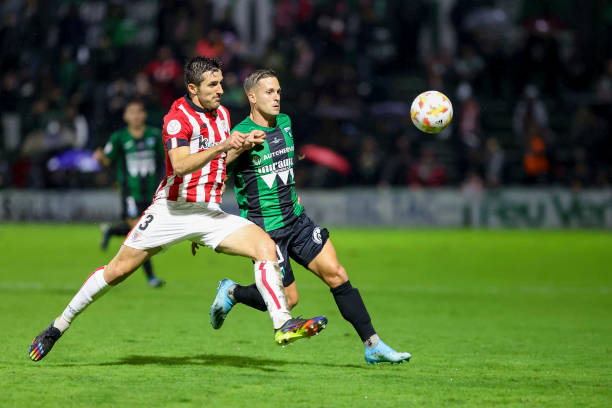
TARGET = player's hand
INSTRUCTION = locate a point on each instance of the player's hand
(194, 248)
(98, 155)
(223, 186)
(253, 138)
(235, 140)
(256, 137)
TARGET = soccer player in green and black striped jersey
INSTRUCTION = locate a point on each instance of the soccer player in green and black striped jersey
(265, 191)
(137, 154)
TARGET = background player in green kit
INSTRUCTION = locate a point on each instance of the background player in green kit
(137, 153)
(265, 191)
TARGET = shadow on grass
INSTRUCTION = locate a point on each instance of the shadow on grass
(262, 364)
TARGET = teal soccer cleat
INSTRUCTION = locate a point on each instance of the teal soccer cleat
(384, 354)
(222, 304)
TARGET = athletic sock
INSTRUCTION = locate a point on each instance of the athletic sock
(249, 295)
(353, 310)
(120, 229)
(371, 341)
(94, 287)
(270, 284)
(148, 268)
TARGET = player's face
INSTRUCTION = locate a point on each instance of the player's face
(266, 96)
(135, 115)
(208, 94)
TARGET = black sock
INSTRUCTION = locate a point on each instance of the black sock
(250, 296)
(120, 229)
(353, 310)
(148, 268)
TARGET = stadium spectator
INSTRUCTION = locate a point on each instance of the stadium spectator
(164, 72)
(427, 171)
(494, 163)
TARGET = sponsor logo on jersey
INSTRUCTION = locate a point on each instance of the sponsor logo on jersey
(276, 166)
(316, 236)
(206, 143)
(173, 127)
(278, 152)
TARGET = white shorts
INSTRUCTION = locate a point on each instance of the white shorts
(166, 223)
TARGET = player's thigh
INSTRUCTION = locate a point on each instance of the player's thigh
(249, 241)
(327, 267)
(125, 262)
(162, 226)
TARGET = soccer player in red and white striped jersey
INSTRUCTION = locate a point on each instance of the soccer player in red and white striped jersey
(186, 206)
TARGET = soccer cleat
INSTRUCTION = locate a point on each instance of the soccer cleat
(222, 304)
(384, 354)
(298, 328)
(106, 235)
(155, 282)
(42, 344)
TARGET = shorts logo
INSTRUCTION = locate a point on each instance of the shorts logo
(316, 236)
(173, 127)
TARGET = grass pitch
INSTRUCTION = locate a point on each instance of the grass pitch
(492, 318)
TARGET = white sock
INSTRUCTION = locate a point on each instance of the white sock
(372, 341)
(94, 287)
(270, 284)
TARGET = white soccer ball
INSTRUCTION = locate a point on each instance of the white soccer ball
(431, 112)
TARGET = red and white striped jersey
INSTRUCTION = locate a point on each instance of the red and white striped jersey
(186, 124)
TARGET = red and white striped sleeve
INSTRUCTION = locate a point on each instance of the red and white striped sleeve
(176, 131)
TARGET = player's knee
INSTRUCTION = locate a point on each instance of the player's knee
(265, 248)
(117, 271)
(335, 275)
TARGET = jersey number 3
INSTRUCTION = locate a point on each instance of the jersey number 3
(143, 226)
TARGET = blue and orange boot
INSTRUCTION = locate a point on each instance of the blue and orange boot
(298, 328)
(42, 344)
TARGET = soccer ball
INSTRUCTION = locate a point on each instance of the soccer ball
(431, 112)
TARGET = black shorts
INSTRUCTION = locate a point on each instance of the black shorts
(302, 241)
(131, 208)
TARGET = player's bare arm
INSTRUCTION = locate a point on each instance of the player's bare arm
(184, 162)
(101, 157)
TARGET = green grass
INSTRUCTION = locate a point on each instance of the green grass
(514, 318)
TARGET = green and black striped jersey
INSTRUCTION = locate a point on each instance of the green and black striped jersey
(137, 161)
(263, 177)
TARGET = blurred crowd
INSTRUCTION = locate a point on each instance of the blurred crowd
(531, 83)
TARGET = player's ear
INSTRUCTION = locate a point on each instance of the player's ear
(193, 89)
(251, 96)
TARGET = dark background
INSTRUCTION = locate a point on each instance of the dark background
(530, 81)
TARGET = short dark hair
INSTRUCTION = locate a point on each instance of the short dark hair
(257, 76)
(133, 101)
(196, 66)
